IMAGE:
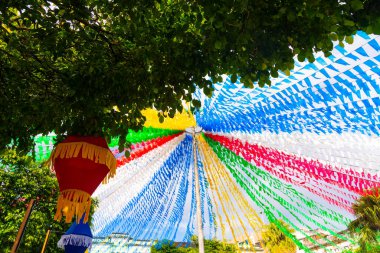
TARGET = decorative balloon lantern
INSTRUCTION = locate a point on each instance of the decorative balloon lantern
(81, 164)
(77, 239)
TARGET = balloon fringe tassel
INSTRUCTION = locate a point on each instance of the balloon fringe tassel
(73, 203)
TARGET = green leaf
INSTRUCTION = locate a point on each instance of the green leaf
(249, 84)
(171, 113)
(291, 16)
(311, 58)
(61, 12)
(219, 79)
(356, 5)
(349, 39)
(161, 118)
(369, 29)
(207, 91)
(233, 78)
(218, 44)
(301, 57)
(327, 54)
(376, 26)
(334, 36)
(349, 22)
(274, 73)
(196, 103)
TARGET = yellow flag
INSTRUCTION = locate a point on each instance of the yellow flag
(181, 121)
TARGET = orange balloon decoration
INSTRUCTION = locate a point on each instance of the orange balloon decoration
(81, 164)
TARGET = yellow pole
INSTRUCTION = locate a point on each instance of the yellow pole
(46, 240)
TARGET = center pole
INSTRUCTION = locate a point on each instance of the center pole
(198, 197)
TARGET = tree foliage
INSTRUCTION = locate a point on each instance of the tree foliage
(167, 246)
(214, 246)
(90, 66)
(275, 241)
(21, 179)
(366, 226)
(210, 246)
(371, 248)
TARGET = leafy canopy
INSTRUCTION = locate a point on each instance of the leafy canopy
(366, 226)
(275, 240)
(89, 67)
(210, 246)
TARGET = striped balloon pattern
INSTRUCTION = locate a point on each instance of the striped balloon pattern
(302, 150)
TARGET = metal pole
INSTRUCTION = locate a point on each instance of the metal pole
(21, 230)
(46, 240)
(198, 197)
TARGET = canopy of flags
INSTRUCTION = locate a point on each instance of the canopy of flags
(302, 150)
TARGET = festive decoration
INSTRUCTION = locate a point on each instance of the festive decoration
(297, 170)
(133, 175)
(220, 180)
(180, 121)
(77, 239)
(143, 148)
(45, 144)
(150, 209)
(80, 163)
(301, 151)
(332, 95)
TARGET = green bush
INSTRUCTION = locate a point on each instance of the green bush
(211, 246)
(22, 179)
